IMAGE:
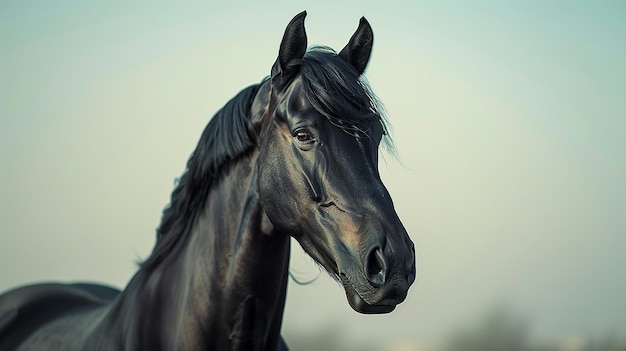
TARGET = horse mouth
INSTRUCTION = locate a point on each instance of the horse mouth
(359, 304)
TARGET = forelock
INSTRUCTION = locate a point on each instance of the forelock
(338, 92)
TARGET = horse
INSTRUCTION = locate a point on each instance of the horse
(293, 156)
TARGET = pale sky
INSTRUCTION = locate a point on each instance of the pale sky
(509, 119)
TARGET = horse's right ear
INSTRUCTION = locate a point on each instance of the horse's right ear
(292, 48)
(359, 49)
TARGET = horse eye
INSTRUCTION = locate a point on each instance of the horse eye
(304, 136)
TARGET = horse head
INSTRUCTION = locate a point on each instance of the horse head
(319, 130)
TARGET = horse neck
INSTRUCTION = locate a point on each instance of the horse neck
(228, 284)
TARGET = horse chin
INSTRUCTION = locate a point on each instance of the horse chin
(358, 303)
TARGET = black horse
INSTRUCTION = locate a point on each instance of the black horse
(293, 156)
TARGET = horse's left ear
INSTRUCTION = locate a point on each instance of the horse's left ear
(359, 49)
(292, 47)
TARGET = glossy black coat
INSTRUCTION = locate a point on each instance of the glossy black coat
(293, 156)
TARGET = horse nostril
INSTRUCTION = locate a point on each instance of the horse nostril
(376, 266)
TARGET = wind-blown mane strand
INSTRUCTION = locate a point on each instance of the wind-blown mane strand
(224, 139)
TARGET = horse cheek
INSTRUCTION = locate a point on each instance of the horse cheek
(276, 190)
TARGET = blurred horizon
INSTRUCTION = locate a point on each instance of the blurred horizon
(508, 118)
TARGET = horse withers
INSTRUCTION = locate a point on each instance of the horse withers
(294, 156)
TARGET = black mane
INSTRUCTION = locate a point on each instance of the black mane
(223, 140)
(339, 92)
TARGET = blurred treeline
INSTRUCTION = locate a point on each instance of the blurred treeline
(500, 329)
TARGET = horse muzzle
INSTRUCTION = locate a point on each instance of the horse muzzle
(380, 285)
